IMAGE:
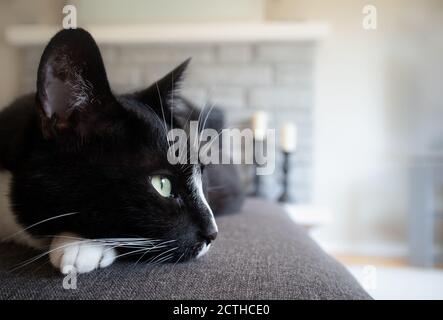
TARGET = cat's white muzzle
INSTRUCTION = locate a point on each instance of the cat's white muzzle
(204, 249)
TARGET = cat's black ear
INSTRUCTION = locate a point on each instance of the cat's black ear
(71, 82)
(159, 95)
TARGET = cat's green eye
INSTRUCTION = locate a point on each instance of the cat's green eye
(162, 185)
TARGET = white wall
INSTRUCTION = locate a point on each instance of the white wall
(153, 11)
(379, 98)
(17, 12)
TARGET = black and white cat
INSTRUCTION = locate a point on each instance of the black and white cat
(85, 173)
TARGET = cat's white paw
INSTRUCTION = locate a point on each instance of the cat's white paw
(68, 253)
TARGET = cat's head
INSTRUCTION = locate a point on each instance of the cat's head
(104, 157)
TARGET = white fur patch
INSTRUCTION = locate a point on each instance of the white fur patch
(203, 250)
(10, 229)
(68, 252)
(198, 193)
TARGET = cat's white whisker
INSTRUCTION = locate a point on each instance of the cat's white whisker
(157, 261)
(198, 122)
(140, 244)
(178, 260)
(156, 247)
(35, 258)
(131, 252)
(163, 113)
(206, 119)
(135, 242)
(164, 259)
(154, 260)
(208, 145)
(36, 224)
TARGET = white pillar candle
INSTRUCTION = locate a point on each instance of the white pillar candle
(288, 141)
(259, 125)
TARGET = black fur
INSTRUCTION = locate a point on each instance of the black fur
(75, 147)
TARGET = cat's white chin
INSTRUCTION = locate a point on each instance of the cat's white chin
(69, 253)
(204, 249)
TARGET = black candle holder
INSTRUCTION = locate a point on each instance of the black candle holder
(285, 181)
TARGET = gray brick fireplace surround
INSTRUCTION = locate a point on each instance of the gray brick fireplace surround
(240, 77)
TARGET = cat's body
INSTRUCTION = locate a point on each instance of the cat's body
(79, 163)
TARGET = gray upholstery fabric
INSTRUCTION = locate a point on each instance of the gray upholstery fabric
(260, 254)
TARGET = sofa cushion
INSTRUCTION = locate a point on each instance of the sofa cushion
(259, 254)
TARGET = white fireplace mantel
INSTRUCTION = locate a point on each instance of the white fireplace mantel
(26, 35)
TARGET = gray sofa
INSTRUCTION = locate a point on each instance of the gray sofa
(259, 254)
